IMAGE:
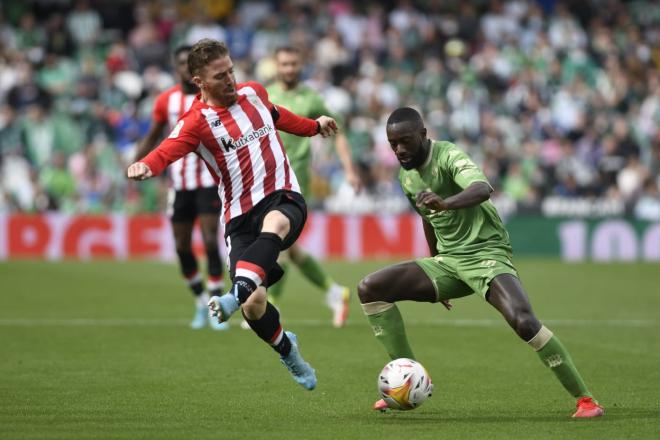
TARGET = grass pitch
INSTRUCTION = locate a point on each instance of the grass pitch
(103, 350)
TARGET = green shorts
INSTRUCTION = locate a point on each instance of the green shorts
(455, 277)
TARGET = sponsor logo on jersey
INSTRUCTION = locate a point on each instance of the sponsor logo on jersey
(230, 144)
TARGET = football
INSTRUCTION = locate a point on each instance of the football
(404, 384)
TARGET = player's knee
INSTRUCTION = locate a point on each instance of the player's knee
(211, 245)
(182, 245)
(277, 223)
(526, 325)
(367, 290)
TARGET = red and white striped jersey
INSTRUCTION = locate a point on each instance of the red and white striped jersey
(189, 172)
(240, 144)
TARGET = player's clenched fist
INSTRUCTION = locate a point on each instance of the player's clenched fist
(139, 171)
(327, 126)
(430, 200)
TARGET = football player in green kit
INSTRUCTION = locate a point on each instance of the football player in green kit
(471, 253)
(301, 99)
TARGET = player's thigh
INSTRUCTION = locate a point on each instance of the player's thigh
(441, 271)
(208, 206)
(293, 207)
(237, 243)
(478, 271)
(208, 223)
(399, 282)
(182, 212)
(182, 206)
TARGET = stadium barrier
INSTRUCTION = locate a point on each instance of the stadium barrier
(60, 236)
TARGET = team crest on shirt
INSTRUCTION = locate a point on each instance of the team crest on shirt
(175, 131)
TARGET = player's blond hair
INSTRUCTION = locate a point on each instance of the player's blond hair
(203, 52)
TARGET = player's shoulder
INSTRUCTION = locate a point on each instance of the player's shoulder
(273, 87)
(258, 88)
(446, 150)
(165, 94)
(194, 113)
(306, 89)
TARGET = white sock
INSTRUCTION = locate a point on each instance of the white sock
(202, 300)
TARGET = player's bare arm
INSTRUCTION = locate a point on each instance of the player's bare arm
(150, 141)
(432, 242)
(344, 153)
(476, 193)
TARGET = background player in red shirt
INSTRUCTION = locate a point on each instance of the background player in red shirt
(234, 128)
(193, 194)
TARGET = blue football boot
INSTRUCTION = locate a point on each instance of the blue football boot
(301, 371)
(222, 307)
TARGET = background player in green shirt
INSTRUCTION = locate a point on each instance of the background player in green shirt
(471, 253)
(303, 100)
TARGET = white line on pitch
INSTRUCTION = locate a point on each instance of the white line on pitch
(178, 322)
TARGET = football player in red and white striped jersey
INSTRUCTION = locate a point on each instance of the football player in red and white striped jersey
(233, 127)
(193, 194)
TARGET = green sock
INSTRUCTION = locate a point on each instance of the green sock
(554, 355)
(388, 327)
(315, 273)
(275, 291)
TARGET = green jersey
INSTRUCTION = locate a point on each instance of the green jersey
(447, 171)
(303, 101)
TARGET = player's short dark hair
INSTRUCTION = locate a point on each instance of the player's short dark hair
(203, 52)
(405, 114)
(288, 49)
(180, 49)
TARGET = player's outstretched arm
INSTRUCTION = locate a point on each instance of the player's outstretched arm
(432, 242)
(150, 140)
(181, 141)
(476, 193)
(431, 239)
(344, 153)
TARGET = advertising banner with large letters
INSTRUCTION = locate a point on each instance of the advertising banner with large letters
(331, 236)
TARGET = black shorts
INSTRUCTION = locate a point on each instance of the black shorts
(184, 206)
(243, 230)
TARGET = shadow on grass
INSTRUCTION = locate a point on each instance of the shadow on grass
(611, 415)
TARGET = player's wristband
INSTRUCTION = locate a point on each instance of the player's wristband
(318, 127)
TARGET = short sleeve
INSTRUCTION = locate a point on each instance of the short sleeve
(462, 168)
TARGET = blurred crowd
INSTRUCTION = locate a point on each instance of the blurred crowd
(556, 100)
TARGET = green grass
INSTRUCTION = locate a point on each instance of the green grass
(102, 350)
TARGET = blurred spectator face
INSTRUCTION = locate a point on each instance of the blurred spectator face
(289, 66)
(217, 80)
(181, 66)
(407, 141)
